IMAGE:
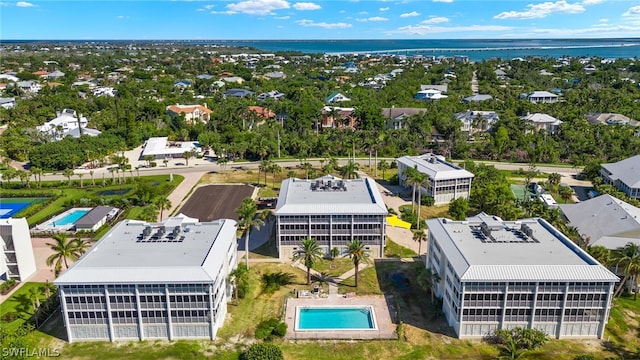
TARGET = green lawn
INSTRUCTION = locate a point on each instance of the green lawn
(20, 303)
(394, 250)
(335, 267)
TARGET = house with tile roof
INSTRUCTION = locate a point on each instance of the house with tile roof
(338, 117)
(610, 119)
(192, 113)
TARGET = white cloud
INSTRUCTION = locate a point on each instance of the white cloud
(228, 12)
(342, 11)
(282, 17)
(373, 18)
(411, 14)
(435, 20)
(122, 17)
(384, 9)
(634, 11)
(206, 7)
(591, 2)
(306, 6)
(542, 10)
(258, 7)
(24, 4)
(426, 29)
(444, 1)
(603, 20)
(363, 13)
(311, 23)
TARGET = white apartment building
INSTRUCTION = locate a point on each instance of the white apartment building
(446, 180)
(17, 260)
(333, 211)
(145, 281)
(497, 274)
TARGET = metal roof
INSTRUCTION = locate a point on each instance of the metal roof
(435, 166)
(604, 217)
(486, 248)
(627, 171)
(330, 195)
(126, 255)
(94, 216)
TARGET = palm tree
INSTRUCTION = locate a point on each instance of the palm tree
(149, 212)
(239, 277)
(93, 183)
(306, 166)
(309, 253)
(427, 280)
(37, 172)
(384, 166)
(419, 236)
(264, 167)
(246, 220)
(554, 179)
(163, 203)
(350, 170)
(274, 169)
(65, 250)
(627, 257)
(411, 179)
(357, 253)
(80, 175)
(601, 254)
(68, 173)
(187, 155)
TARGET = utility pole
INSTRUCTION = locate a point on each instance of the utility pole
(278, 144)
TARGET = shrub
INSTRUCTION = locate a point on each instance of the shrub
(273, 281)
(6, 286)
(269, 328)
(9, 317)
(263, 351)
(584, 357)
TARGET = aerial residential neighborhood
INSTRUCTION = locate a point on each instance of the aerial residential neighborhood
(163, 196)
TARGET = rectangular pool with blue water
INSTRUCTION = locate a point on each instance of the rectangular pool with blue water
(335, 318)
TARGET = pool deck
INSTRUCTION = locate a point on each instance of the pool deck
(383, 307)
(48, 225)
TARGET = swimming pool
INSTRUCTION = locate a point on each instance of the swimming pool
(335, 318)
(70, 218)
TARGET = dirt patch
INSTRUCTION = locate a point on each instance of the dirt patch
(213, 202)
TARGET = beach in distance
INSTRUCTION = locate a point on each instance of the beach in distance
(474, 49)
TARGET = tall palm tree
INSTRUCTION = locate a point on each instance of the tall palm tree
(239, 277)
(163, 203)
(309, 253)
(411, 179)
(246, 220)
(384, 166)
(65, 250)
(350, 170)
(264, 167)
(419, 236)
(68, 173)
(357, 253)
(427, 280)
(274, 169)
(628, 258)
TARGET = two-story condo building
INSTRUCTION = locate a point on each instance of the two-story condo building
(446, 180)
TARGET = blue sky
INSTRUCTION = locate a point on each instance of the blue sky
(334, 19)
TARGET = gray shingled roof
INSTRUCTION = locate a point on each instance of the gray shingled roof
(627, 171)
(604, 218)
(94, 216)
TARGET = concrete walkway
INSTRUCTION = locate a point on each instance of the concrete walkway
(331, 281)
(179, 194)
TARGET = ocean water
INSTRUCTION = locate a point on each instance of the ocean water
(476, 50)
